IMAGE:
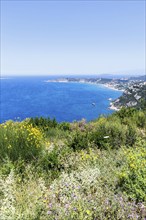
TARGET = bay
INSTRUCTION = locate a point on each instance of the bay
(24, 97)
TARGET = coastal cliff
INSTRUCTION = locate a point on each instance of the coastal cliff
(133, 96)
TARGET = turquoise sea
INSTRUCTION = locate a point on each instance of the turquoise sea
(23, 97)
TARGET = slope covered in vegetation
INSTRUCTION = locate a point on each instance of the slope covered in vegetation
(78, 170)
(133, 96)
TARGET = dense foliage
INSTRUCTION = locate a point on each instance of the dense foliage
(20, 139)
(78, 170)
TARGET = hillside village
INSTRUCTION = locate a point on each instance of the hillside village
(114, 83)
(133, 96)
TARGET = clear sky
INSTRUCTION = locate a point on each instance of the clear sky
(72, 37)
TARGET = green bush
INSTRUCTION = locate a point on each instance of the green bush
(125, 112)
(74, 170)
(43, 123)
(51, 160)
(109, 134)
(140, 119)
(133, 175)
(131, 116)
(131, 135)
(79, 195)
(65, 126)
(78, 140)
(20, 140)
(22, 200)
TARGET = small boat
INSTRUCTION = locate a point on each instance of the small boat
(110, 99)
(93, 103)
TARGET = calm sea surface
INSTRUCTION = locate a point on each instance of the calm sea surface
(31, 96)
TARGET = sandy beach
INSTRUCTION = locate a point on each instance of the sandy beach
(112, 87)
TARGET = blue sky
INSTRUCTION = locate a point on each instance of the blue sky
(72, 37)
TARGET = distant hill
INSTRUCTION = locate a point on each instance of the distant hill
(138, 78)
(120, 76)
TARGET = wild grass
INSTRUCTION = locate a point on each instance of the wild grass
(77, 171)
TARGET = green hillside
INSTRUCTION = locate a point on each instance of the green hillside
(133, 96)
(74, 171)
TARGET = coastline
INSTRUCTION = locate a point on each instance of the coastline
(112, 87)
(85, 82)
(111, 105)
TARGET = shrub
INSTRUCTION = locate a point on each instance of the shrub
(65, 126)
(53, 160)
(20, 139)
(131, 116)
(109, 134)
(78, 140)
(6, 166)
(50, 163)
(125, 112)
(78, 125)
(140, 119)
(22, 200)
(131, 135)
(133, 175)
(43, 123)
(79, 195)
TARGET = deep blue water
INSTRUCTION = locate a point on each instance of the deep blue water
(31, 96)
